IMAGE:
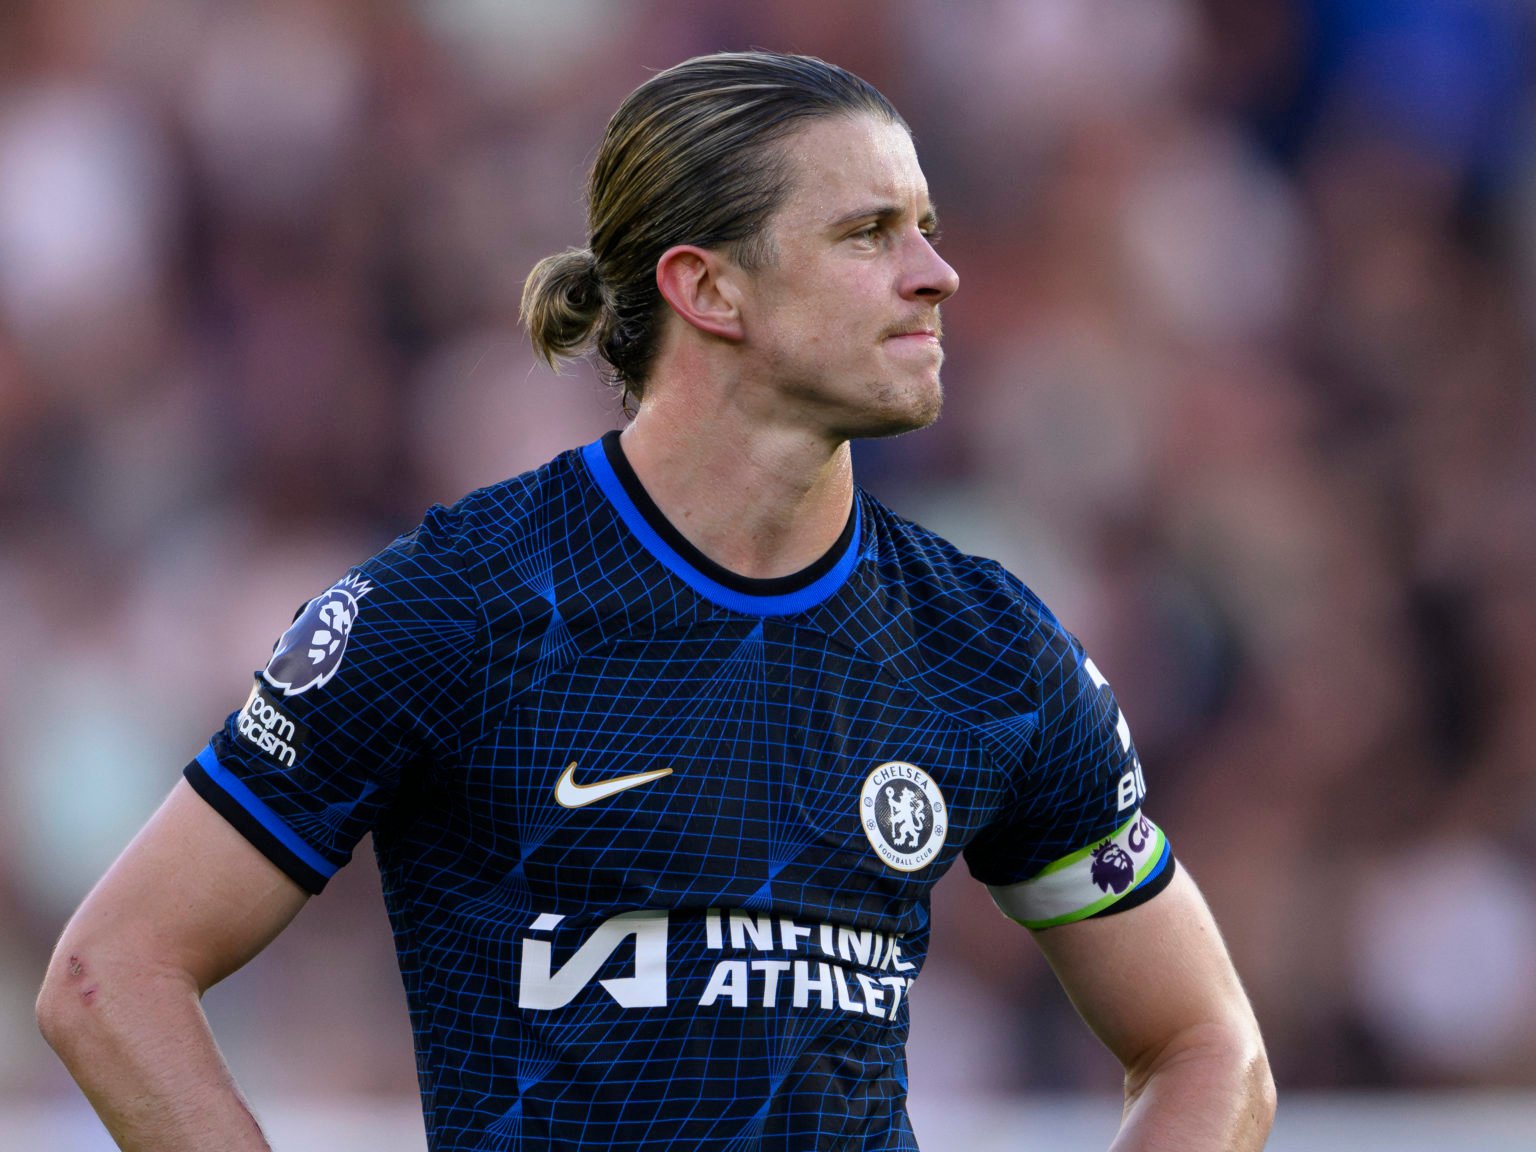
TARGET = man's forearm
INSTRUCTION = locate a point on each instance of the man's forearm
(139, 1046)
(1209, 1092)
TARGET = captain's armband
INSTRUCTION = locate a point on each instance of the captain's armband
(1131, 865)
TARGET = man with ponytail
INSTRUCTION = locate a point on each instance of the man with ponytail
(664, 745)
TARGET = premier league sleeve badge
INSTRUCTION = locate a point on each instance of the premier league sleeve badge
(310, 652)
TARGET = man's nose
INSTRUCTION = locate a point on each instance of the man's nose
(930, 279)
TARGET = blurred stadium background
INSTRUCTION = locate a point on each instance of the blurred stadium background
(1240, 380)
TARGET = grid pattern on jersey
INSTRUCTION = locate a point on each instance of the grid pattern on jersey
(717, 958)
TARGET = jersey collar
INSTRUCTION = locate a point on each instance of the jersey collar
(779, 596)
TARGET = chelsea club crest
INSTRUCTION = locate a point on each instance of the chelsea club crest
(902, 813)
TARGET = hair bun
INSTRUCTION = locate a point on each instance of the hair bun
(562, 300)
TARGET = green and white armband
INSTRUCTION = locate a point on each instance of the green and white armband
(1090, 880)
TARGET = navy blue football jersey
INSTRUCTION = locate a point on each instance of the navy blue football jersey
(657, 841)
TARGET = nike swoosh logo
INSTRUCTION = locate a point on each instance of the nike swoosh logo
(569, 794)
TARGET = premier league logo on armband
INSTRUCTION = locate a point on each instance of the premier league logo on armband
(310, 651)
(903, 815)
(1113, 867)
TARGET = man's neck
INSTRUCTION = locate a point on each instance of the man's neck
(761, 501)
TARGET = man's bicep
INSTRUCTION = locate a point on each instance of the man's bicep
(189, 893)
(1151, 974)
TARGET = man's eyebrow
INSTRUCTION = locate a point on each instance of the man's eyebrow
(881, 213)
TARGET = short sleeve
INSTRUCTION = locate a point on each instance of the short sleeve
(1074, 842)
(372, 676)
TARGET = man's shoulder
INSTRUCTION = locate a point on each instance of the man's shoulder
(494, 537)
(969, 620)
(525, 504)
(939, 579)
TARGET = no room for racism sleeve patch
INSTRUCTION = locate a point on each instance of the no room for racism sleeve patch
(265, 726)
(1132, 864)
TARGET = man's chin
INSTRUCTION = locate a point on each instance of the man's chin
(917, 412)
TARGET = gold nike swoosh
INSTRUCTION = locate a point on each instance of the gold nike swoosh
(569, 794)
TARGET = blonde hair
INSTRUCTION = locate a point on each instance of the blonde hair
(691, 156)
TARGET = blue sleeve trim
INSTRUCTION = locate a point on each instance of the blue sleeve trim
(264, 816)
(1162, 863)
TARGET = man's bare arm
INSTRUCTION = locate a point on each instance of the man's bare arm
(187, 903)
(1155, 983)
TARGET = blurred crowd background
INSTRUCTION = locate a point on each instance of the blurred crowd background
(1240, 379)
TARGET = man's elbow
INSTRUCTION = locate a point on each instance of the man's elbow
(1240, 1049)
(1225, 1061)
(67, 1002)
(1260, 1088)
(93, 990)
(1249, 1060)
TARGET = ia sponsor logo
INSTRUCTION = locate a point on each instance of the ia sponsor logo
(862, 972)
(544, 987)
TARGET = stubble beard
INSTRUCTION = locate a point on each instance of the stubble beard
(898, 410)
(888, 405)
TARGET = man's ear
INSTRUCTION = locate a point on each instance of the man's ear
(701, 287)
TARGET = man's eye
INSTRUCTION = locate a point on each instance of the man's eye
(932, 235)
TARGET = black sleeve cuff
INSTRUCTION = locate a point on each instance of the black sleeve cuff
(301, 873)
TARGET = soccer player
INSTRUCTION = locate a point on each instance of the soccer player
(664, 745)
